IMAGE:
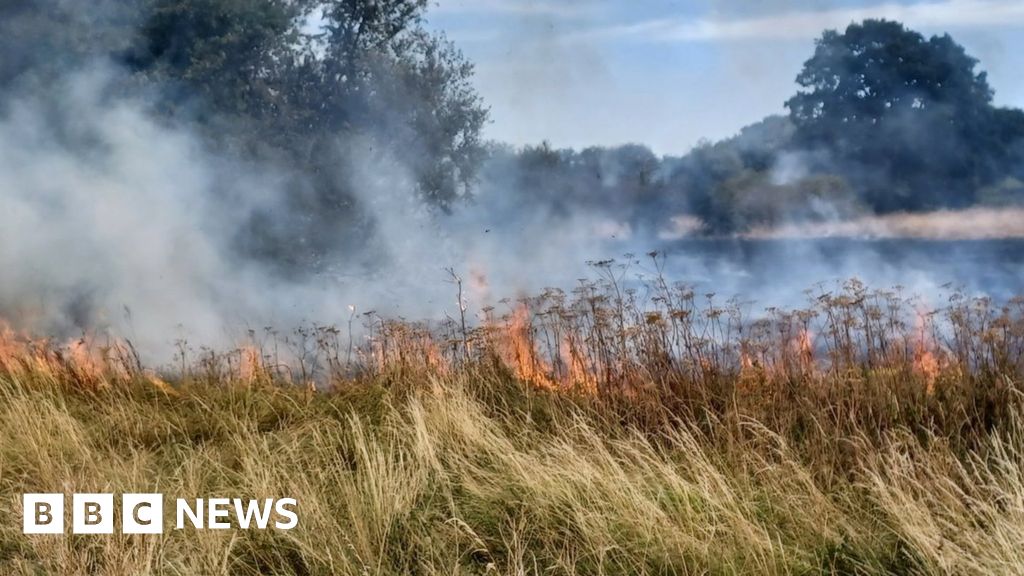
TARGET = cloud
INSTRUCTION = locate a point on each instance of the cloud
(809, 24)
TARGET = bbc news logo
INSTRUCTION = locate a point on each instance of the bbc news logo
(144, 513)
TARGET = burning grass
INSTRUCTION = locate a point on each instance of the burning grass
(612, 429)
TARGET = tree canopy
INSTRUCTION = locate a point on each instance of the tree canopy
(369, 68)
(303, 85)
(910, 117)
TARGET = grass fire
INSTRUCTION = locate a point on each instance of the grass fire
(594, 431)
(511, 287)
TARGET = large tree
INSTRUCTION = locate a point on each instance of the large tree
(910, 117)
(370, 68)
(315, 85)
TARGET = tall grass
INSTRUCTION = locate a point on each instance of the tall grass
(618, 429)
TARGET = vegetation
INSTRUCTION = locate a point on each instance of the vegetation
(616, 428)
(314, 91)
(909, 119)
(595, 433)
(885, 121)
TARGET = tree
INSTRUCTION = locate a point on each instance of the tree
(371, 77)
(226, 54)
(42, 39)
(372, 69)
(910, 115)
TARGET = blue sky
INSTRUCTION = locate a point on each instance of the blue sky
(668, 73)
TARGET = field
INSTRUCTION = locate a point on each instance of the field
(610, 430)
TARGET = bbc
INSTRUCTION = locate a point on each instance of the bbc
(93, 513)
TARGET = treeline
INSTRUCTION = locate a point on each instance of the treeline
(320, 90)
(727, 186)
(885, 120)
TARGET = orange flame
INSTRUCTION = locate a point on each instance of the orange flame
(928, 359)
(84, 361)
(578, 373)
(748, 365)
(513, 344)
(803, 349)
(250, 366)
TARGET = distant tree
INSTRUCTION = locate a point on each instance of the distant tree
(911, 115)
(878, 70)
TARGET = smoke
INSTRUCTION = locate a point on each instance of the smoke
(114, 222)
(118, 221)
(106, 213)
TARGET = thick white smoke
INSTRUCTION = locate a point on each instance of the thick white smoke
(113, 222)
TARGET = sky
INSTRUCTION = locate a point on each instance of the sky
(668, 74)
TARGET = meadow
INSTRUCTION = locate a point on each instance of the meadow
(611, 429)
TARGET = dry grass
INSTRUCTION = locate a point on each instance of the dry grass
(595, 433)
